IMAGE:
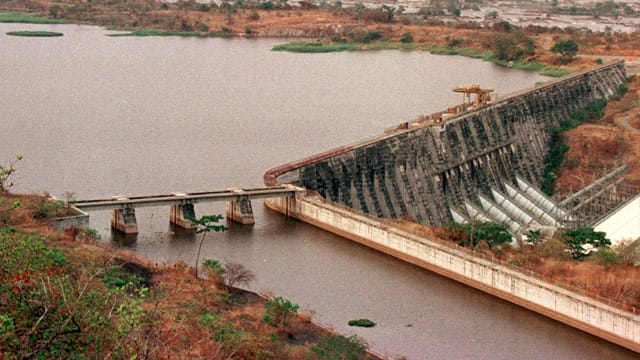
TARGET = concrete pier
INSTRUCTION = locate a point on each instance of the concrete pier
(124, 220)
(240, 210)
(181, 215)
(123, 217)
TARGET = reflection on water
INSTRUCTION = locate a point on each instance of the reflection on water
(104, 116)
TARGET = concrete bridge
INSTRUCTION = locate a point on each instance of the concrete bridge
(239, 209)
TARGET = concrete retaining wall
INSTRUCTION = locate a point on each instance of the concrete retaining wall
(79, 221)
(617, 326)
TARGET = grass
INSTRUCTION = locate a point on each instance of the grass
(320, 47)
(54, 286)
(35, 33)
(156, 32)
(315, 47)
(18, 17)
(468, 52)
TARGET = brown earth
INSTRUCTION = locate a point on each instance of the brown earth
(604, 144)
(175, 306)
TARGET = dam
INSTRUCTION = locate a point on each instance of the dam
(425, 169)
(429, 169)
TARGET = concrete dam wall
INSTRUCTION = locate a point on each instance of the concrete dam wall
(426, 169)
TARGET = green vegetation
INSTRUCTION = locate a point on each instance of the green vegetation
(315, 47)
(566, 49)
(492, 234)
(278, 312)
(205, 225)
(215, 270)
(18, 17)
(57, 310)
(581, 241)
(50, 208)
(156, 32)
(406, 38)
(340, 348)
(35, 33)
(592, 111)
(462, 51)
(68, 297)
(5, 173)
(362, 323)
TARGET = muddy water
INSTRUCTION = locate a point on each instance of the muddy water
(102, 116)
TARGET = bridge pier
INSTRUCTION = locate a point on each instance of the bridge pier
(124, 220)
(240, 210)
(180, 215)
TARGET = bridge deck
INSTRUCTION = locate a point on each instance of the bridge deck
(184, 198)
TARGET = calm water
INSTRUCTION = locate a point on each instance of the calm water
(102, 116)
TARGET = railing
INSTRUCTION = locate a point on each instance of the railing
(182, 198)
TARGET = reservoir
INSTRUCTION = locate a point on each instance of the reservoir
(101, 116)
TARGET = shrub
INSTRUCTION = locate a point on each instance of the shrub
(267, 5)
(278, 312)
(237, 274)
(406, 38)
(371, 36)
(340, 348)
(607, 257)
(362, 323)
(215, 270)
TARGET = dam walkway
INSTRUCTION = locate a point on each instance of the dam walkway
(239, 209)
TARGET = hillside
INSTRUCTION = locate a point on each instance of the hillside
(66, 294)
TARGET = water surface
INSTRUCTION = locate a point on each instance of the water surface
(102, 116)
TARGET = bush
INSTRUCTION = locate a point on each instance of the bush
(215, 270)
(362, 323)
(406, 38)
(267, 5)
(607, 257)
(371, 36)
(340, 348)
(278, 312)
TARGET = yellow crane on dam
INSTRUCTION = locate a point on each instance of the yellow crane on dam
(482, 96)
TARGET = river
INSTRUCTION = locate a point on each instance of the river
(101, 116)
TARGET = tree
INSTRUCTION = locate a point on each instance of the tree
(205, 225)
(5, 172)
(582, 240)
(505, 47)
(278, 312)
(491, 233)
(237, 274)
(567, 50)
